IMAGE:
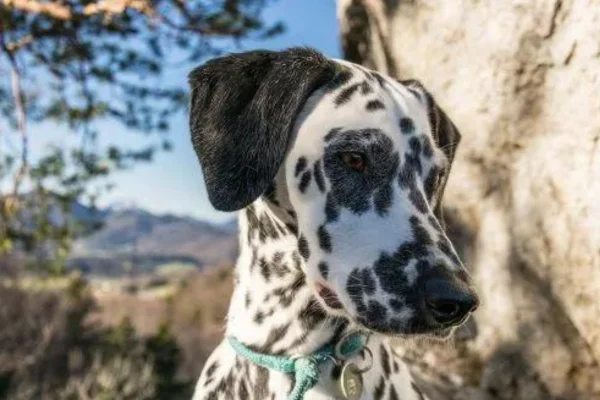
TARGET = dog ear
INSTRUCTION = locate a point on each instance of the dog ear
(445, 134)
(242, 112)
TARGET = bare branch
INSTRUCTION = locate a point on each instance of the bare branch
(63, 12)
(52, 9)
(15, 46)
(118, 7)
(21, 125)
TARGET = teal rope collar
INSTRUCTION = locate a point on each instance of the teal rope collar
(305, 369)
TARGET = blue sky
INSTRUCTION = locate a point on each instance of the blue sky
(173, 182)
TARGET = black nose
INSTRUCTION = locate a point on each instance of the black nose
(448, 301)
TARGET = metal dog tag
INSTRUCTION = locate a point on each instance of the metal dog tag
(351, 384)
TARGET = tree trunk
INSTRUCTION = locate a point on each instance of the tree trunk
(521, 80)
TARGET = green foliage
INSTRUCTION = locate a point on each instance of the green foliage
(80, 62)
(167, 358)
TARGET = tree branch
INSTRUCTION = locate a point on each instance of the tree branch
(65, 13)
(53, 9)
(22, 127)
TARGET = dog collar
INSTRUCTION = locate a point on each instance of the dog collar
(305, 369)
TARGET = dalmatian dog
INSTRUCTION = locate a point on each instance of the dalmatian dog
(337, 173)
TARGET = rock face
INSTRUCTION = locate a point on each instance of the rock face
(521, 80)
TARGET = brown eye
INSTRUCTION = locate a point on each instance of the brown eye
(356, 161)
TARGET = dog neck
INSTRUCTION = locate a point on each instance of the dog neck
(273, 310)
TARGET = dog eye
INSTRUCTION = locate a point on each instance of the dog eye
(356, 161)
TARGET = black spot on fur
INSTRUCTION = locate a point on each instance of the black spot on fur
(278, 266)
(254, 260)
(396, 367)
(297, 261)
(396, 305)
(324, 239)
(336, 372)
(311, 315)
(413, 163)
(345, 95)
(247, 299)
(340, 330)
(385, 361)
(417, 391)
(261, 386)
(224, 389)
(264, 269)
(379, 389)
(292, 228)
(427, 147)
(287, 294)
(434, 223)
(355, 290)
(299, 341)
(324, 269)
(374, 105)
(332, 133)
(383, 199)
(303, 247)
(376, 313)
(253, 223)
(281, 229)
(267, 229)
(365, 88)
(369, 284)
(406, 179)
(332, 212)
(274, 336)
(407, 126)
(431, 182)
(339, 80)
(259, 317)
(304, 181)
(389, 270)
(300, 166)
(319, 178)
(415, 146)
(379, 78)
(420, 234)
(417, 199)
(407, 182)
(393, 393)
(211, 370)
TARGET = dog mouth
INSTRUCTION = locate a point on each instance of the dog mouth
(441, 334)
(385, 327)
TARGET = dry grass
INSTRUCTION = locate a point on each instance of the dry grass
(194, 307)
(65, 339)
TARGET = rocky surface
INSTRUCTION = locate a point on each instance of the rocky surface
(521, 80)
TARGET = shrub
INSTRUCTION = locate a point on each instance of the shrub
(50, 350)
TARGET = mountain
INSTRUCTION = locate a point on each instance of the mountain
(136, 241)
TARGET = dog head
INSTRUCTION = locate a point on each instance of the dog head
(361, 160)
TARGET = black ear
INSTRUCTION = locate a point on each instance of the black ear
(445, 134)
(242, 112)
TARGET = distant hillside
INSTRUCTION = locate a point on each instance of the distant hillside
(134, 240)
